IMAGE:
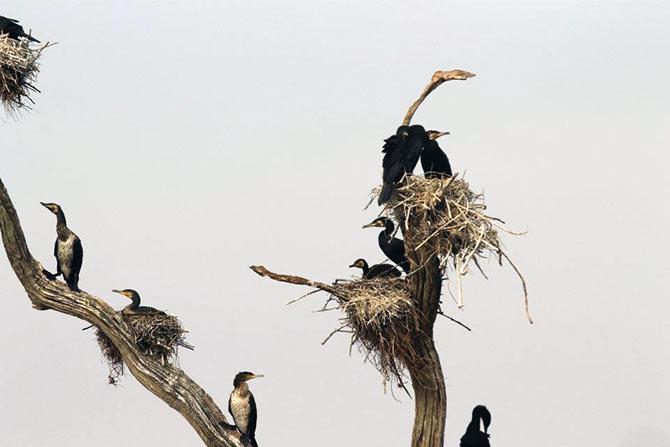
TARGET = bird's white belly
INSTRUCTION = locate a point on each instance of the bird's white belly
(240, 408)
(64, 253)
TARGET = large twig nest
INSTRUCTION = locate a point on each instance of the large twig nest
(449, 217)
(156, 335)
(383, 320)
(18, 72)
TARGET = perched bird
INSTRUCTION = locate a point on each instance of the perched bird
(401, 154)
(473, 436)
(392, 247)
(12, 28)
(67, 250)
(242, 406)
(434, 161)
(134, 307)
(377, 270)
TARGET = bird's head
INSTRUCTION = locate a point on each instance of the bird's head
(244, 376)
(53, 207)
(128, 293)
(480, 411)
(378, 222)
(402, 132)
(435, 134)
(359, 263)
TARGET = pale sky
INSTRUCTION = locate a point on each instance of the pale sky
(188, 140)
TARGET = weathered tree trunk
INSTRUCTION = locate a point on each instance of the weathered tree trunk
(430, 397)
(167, 382)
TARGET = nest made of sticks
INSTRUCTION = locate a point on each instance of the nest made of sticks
(157, 335)
(383, 320)
(449, 217)
(18, 72)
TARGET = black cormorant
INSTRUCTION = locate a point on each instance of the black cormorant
(473, 436)
(13, 29)
(434, 161)
(401, 154)
(67, 250)
(377, 270)
(242, 406)
(134, 307)
(392, 247)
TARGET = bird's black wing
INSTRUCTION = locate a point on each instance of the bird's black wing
(396, 253)
(77, 256)
(58, 272)
(411, 152)
(253, 417)
(392, 161)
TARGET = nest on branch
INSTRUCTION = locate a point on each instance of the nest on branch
(450, 218)
(156, 334)
(18, 72)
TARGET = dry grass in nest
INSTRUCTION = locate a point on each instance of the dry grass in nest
(18, 72)
(451, 219)
(156, 335)
(383, 320)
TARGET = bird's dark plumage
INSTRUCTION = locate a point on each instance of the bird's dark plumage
(68, 250)
(377, 270)
(242, 406)
(473, 436)
(401, 154)
(12, 28)
(434, 161)
(392, 247)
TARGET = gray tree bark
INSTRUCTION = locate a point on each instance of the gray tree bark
(167, 382)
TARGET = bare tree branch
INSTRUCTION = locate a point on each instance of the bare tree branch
(167, 382)
(438, 78)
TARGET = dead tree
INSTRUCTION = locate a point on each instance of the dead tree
(403, 337)
(168, 382)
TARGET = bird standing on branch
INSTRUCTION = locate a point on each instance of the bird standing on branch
(401, 154)
(12, 28)
(434, 161)
(377, 270)
(67, 250)
(473, 436)
(242, 406)
(392, 247)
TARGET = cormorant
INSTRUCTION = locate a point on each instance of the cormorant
(67, 250)
(434, 161)
(134, 307)
(392, 247)
(377, 270)
(401, 154)
(473, 436)
(242, 406)
(13, 29)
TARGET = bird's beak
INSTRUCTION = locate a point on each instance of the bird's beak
(256, 376)
(352, 265)
(439, 134)
(45, 205)
(119, 292)
(373, 224)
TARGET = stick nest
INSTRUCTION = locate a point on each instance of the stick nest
(18, 72)
(156, 335)
(449, 217)
(383, 320)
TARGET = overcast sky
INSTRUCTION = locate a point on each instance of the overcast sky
(188, 140)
